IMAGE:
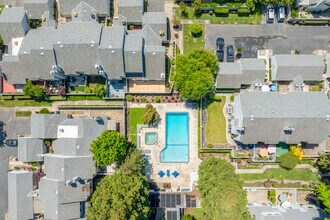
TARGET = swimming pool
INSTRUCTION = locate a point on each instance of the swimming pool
(177, 138)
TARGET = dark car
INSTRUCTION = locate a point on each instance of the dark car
(230, 53)
(220, 45)
(281, 13)
(11, 142)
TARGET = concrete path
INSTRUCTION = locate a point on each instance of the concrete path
(265, 167)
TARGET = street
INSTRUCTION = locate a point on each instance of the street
(279, 37)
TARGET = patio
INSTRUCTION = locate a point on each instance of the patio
(164, 173)
(146, 87)
(265, 153)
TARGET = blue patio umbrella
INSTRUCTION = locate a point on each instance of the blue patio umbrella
(161, 174)
(168, 173)
(175, 174)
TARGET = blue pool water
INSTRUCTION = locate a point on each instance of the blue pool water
(177, 138)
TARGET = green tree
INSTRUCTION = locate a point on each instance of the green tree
(183, 7)
(195, 74)
(44, 111)
(288, 161)
(176, 20)
(323, 195)
(109, 148)
(217, 183)
(123, 195)
(196, 6)
(34, 91)
(196, 29)
(324, 163)
(150, 115)
(250, 4)
(99, 90)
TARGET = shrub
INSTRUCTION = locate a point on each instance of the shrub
(131, 27)
(297, 152)
(157, 99)
(100, 90)
(288, 161)
(196, 29)
(210, 145)
(232, 98)
(222, 10)
(44, 111)
(129, 98)
(210, 12)
(34, 91)
(143, 99)
(150, 115)
(1, 43)
(214, 5)
(243, 11)
(205, 5)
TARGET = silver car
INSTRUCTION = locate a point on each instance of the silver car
(281, 14)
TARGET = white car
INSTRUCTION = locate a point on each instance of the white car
(270, 14)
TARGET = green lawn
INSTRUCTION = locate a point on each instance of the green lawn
(77, 89)
(282, 174)
(230, 19)
(190, 43)
(216, 122)
(15, 103)
(23, 113)
(135, 118)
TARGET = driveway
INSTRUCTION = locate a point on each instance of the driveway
(10, 127)
(156, 5)
(281, 38)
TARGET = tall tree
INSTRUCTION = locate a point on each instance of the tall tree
(324, 163)
(123, 195)
(222, 191)
(150, 115)
(109, 148)
(182, 7)
(195, 74)
(323, 195)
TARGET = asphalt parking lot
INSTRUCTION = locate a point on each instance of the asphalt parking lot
(10, 128)
(279, 37)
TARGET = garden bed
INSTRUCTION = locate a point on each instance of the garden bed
(154, 99)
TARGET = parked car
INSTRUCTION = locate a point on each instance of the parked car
(281, 13)
(220, 45)
(11, 142)
(270, 13)
(230, 53)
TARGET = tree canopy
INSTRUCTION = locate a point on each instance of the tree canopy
(109, 148)
(123, 195)
(99, 90)
(288, 161)
(324, 163)
(34, 91)
(150, 115)
(323, 195)
(195, 74)
(196, 29)
(222, 191)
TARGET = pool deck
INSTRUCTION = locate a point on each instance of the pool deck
(152, 152)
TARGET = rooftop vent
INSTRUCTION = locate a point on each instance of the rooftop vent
(162, 75)
(61, 130)
(75, 14)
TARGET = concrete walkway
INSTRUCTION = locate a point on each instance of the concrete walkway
(265, 167)
(227, 116)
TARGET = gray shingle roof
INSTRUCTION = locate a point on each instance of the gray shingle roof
(101, 6)
(132, 10)
(157, 22)
(20, 184)
(267, 116)
(13, 24)
(287, 67)
(243, 72)
(133, 53)
(155, 62)
(294, 213)
(36, 8)
(59, 201)
(45, 125)
(29, 148)
(84, 12)
(78, 47)
(64, 168)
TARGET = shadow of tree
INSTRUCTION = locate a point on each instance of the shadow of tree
(3, 134)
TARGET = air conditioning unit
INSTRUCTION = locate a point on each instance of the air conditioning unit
(101, 72)
(52, 72)
(162, 75)
(54, 67)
